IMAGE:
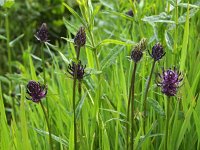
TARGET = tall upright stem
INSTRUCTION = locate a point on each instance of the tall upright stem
(132, 106)
(8, 40)
(74, 106)
(47, 114)
(128, 110)
(43, 63)
(145, 95)
(74, 96)
(48, 125)
(167, 124)
(9, 57)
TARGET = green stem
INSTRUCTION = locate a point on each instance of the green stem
(74, 96)
(44, 78)
(80, 95)
(167, 125)
(48, 126)
(176, 29)
(43, 63)
(44, 73)
(9, 57)
(128, 110)
(132, 115)
(74, 106)
(145, 95)
(8, 40)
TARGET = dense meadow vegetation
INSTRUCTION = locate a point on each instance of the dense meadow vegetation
(100, 75)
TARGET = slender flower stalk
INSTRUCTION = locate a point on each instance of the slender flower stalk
(157, 54)
(136, 56)
(145, 95)
(74, 107)
(36, 92)
(169, 81)
(77, 71)
(132, 107)
(48, 125)
(8, 40)
(167, 124)
(42, 36)
(7, 26)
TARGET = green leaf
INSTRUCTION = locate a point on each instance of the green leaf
(185, 43)
(7, 3)
(112, 41)
(185, 5)
(187, 15)
(13, 42)
(162, 17)
(106, 62)
(64, 58)
(122, 15)
(169, 40)
(71, 27)
(4, 79)
(3, 37)
(74, 13)
(80, 105)
(156, 106)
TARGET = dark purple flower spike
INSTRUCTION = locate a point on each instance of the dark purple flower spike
(170, 81)
(80, 70)
(130, 13)
(136, 55)
(36, 91)
(157, 52)
(80, 38)
(137, 52)
(42, 34)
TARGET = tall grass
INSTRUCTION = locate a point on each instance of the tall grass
(101, 110)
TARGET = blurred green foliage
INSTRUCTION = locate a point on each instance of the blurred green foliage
(25, 17)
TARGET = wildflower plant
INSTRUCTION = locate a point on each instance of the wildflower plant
(36, 92)
(136, 55)
(42, 36)
(157, 54)
(77, 71)
(118, 107)
(169, 82)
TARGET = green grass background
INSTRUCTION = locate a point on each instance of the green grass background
(101, 109)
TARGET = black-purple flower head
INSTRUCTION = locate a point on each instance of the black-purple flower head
(170, 81)
(136, 53)
(80, 38)
(130, 13)
(80, 70)
(42, 34)
(36, 91)
(157, 52)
